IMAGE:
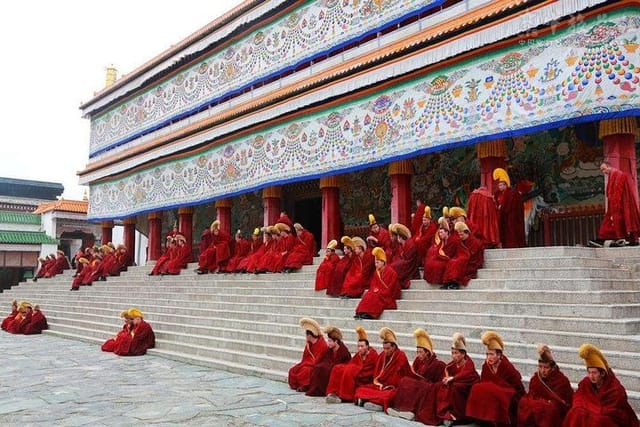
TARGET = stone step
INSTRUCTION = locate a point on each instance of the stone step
(546, 262)
(542, 251)
(553, 273)
(547, 284)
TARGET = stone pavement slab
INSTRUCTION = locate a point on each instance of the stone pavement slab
(46, 380)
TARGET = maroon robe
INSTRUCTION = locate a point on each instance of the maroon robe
(58, 266)
(417, 392)
(142, 339)
(437, 258)
(20, 323)
(180, 260)
(452, 398)
(346, 378)
(37, 324)
(322, 369)
(123, 261)
(547, 402)
(621, 217)
(386, 377)
(406, 262)
(455, 270)
(495, 398)
(309, 242)
(607, 406)
(384, 239)
(9, 319)
(510, 218)
(382, 293)
(325, 270)
(416, 219)
(424, 239)
(217, 254)
(241, 250)
(124, 334)
(297, 254)
(162, 262)
(483, 213)
(358, 277)
(300, 373)
(342, 267)
(258, 248)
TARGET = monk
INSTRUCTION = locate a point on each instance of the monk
(392, 365)
(483, 213)
(406, 260)
(459, 376)
(510, 212)
(362, 266)
(315, 346)
(124, 334)
(417, 392)
(142, 336)
(601, 400)
(378, 236)
(9, 319)
(171, 247)
(417, 216)
(38, 322)
(461, 267)
(423, 238)
(342, 267)
(383, 290)
(336, 354)
(241, 249)
(346, 378)
(255, 245)
(495, 398)
(181, 256)
(550, 394)
(85, 273)
(294, 253)
(272, 252)
(124, 260)
(218, 252)
(308, 241)
(439, 254)
(22, 320)
(60, 264)
(325, 270)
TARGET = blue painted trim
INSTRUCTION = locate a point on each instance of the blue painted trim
(232, 93)
(511, 133)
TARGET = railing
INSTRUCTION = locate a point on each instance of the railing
(567, 227)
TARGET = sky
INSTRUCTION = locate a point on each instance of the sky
(55, 58)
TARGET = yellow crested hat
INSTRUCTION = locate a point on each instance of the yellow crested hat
(445, 212)
(281, 226)
(387, 335)
(333, 333)
(357, 241)
(593, 357)
(346, 240)
(24, 305)
(379, 254)
(215, 225)
(500, 174)
(372, 220)
(423, 339)
(456, 212)
(134, 312)
(461, 226)
(256, 231)
(311, 325)
(362, 334)
(427, 212)
(332, 244)
(402, 231)
(458, 342)
(443, 222)
(83, 260)
(493, 341)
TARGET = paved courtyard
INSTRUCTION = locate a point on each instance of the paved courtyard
(46, 380)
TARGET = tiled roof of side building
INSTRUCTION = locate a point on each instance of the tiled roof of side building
(26, 238)
(10, 217)
(77, 206)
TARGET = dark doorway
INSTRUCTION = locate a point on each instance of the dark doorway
(308, 212)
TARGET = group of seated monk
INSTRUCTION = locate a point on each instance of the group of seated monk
(51, 265)
(135, 338)
(176, 256)
(25, 319)
(435, 392)
(98, 262)
(286, 247)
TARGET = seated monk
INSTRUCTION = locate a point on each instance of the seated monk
(59, 265)
(170, 250)
(382, 292)
(258, 249)
(124, 335)
(405, 260)
(22, 319)
(181, 257)
(325, 270)
(550, 394)
(336, 354)
(218, 252)
(459, 376)
(123, 260)
(439, 254)
(416, 394)
(347, 377)
(423, 238)
(458, 269)
(379, 237)
(85, 272)
(392, 365)
(9, 319)
(293, 252)
(309, 242)
(142, 336)
(45, 264)
(358, 277)
(315, 346)
(38, 322)
(342, 267)
(601, 399)
(254, 246)
(495, 397)
(241, 249)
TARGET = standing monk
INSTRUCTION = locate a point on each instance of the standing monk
(336, 354)
(346, 378)
(510, 211)
(315, 346)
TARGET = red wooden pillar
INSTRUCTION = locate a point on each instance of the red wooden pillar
(223, 214)
(400, 173)
(618, 137)
(492, 155)
(271, 201)
(331, 218)
(185, 224)
(130, 235)
(107, 232)
(155, 236)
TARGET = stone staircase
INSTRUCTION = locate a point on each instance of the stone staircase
(563, 296)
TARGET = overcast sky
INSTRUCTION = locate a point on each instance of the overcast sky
(54, 58)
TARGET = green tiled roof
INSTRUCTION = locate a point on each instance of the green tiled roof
(8, 217)
(27, 237)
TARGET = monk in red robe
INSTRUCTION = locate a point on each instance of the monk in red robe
(423, 239)
(417, 392)
(392, 365)
(315, 346)
(483, 213)
(495, 398)
(85, 272)
(601, 399)
(241, 249)
(61, 263)
(342, 267)
(416, 217)
(45, 264)
(347, 377)
(361, 269)
(21, 321)
(124, 334)
(272, 252)
(308, 241)
(621, 222)
(383, 291)
(181, 257)
(170, 249)
(325, 270)
(336, 354)
(293, 253)
(455, 272)
(406, 259)
(510, 212)
(440, 252)
(38, 322)
(124, 260)
(379, 237)
(218, 252)
(256, 251)
(9, 319)
(142, 336)
(550, 394)
(459, 376)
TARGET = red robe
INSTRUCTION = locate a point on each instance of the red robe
(19, 324)
(181, 258)
(162, 262)
(346, 378)
(547, 402)
(44, 267)
(58, 266)
(452, 398)
(217, 254)
(241, 250)
(300, 374)
(309, 242)
(37, 324)
(417, 392)
(604, 407)
(416, 220)
(455, 270)
(124, 334)
(297, 254)
(424, 239)
(342, 267)
(9, 319)
(406, 263)
(621, 217)
(495, 398)
(142, 339)
(384, 239)
(386, 377)
(258, 248)
(437, 258)
(510, 218)
(359, 275)
(123, 261)
(322, 369)
(483, 213)
(382, 293)
(325, 270)
(272, 254)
